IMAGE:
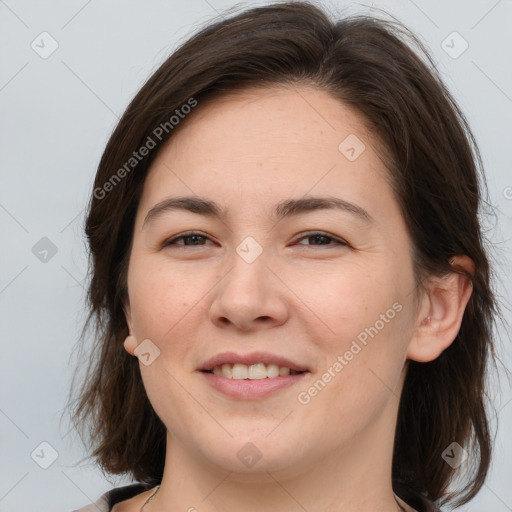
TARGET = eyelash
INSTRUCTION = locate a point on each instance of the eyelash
(302, 236)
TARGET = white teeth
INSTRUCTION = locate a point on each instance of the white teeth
(253, 372)
(227, 370)
(257, 371)
(240, 371)
(272, 370)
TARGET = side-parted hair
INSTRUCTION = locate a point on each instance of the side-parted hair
(434, 168)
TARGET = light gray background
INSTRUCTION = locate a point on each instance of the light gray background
(56, 116)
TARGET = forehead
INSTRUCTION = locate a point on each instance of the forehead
(264, 121)
(264, 143)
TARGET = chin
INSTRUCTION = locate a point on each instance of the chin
(251, 458)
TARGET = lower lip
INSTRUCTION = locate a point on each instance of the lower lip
(249, 389)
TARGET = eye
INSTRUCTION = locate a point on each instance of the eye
(190, 238)
(322, 239)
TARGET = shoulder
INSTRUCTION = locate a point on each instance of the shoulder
(114, 496)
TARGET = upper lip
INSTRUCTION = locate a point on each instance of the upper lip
(249, 359)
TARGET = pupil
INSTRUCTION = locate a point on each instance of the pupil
(195, 238)
(318, 238)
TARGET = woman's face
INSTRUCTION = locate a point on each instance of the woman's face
(322, 287)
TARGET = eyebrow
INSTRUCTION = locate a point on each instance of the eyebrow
(283, 209)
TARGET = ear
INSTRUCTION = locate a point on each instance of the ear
(441, 310)
(130, 343)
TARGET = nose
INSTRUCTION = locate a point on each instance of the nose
(249, 297)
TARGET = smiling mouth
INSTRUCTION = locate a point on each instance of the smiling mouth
(257, 371)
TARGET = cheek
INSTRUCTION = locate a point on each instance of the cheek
(364, 350)
(358, 381)
(160, 297)
(349, 299)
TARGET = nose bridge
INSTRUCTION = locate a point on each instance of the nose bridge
(247, 281)
(249, 293)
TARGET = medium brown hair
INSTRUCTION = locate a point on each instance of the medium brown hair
(436, 173)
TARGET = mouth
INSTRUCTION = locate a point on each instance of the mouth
(251, 376)
(254, 366)
(254, 382)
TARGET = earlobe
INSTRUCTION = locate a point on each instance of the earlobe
(130, 344)
(440, 316)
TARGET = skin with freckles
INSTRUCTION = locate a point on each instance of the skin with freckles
(306, 297)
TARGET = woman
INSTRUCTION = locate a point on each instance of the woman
(288, 280)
